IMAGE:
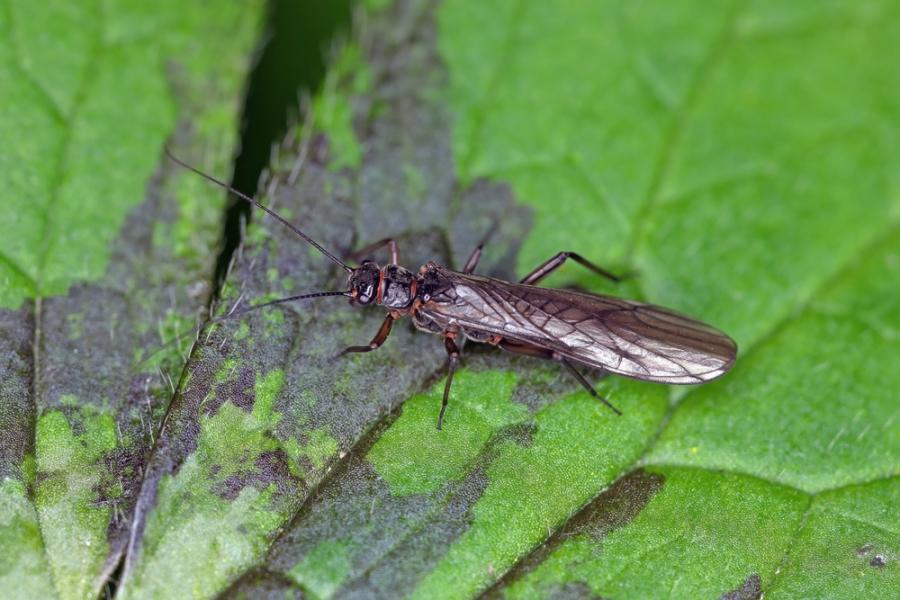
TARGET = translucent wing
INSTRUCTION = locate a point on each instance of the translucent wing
(628, 338)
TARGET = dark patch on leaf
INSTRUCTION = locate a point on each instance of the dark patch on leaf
(489, 212)
(84, 346)
(236, 389)
(355, 506)
(573, 590)
(546, 380)
(407, 180)
(397, 571)
(614, 508)
(878, 561)
(543, 380)
(263, 585)
(325, 401)
(395, 540)
(16, 376)
(343, 397)
(751, 589)
(352, 503)
(520, 434)
(270, 468)
(120, 489)
(617, 506)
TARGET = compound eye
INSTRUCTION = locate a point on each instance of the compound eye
(365, 296)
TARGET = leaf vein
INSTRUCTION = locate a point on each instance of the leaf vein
(16, 63)
(58, 171)
(670, 142)
(501, 67)
(18, 270)
(62, 153)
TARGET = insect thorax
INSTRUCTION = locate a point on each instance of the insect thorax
(398, 287)
(431, 283)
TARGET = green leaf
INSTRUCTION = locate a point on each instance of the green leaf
(109, 256)
(742, 158)
(854, 531)
(815, 410)
(694, 519)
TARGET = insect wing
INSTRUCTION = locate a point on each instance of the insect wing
(628, 338)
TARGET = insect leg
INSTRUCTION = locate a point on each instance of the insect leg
(557, 261)
(476, 253)
(473, 259)
(587, 385)
(383, 332)
(526, 349)
(452, 362)
(391, 243)
(539, 352)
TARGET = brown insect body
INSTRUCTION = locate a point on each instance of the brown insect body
(636, 340)
(623, 337)
(641, 341)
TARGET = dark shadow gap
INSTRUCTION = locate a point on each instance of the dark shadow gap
(291, 63)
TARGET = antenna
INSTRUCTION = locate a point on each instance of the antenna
(235, 314)
(255, 203)
(238, 313)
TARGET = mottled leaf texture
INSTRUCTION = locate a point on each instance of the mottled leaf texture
(107, 251)
(740, 157)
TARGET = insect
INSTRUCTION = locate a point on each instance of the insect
(636, 340)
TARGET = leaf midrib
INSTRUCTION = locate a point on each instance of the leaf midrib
(662, 167)
(37, 282)
(62, 154)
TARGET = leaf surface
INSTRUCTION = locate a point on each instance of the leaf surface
(744, 163)
(109, 256)
(741, 157)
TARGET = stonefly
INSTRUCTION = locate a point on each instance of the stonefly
(627, 338)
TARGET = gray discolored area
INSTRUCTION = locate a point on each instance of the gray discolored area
(572, 591)
(407, 179)
(102, 344)
(263, 586)
(416, 553)
(392, 540)
(227, 364)
(616, 506)
(75, 369)
(488, 212)
(16, 373)
(750, 589)
(324, 406)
